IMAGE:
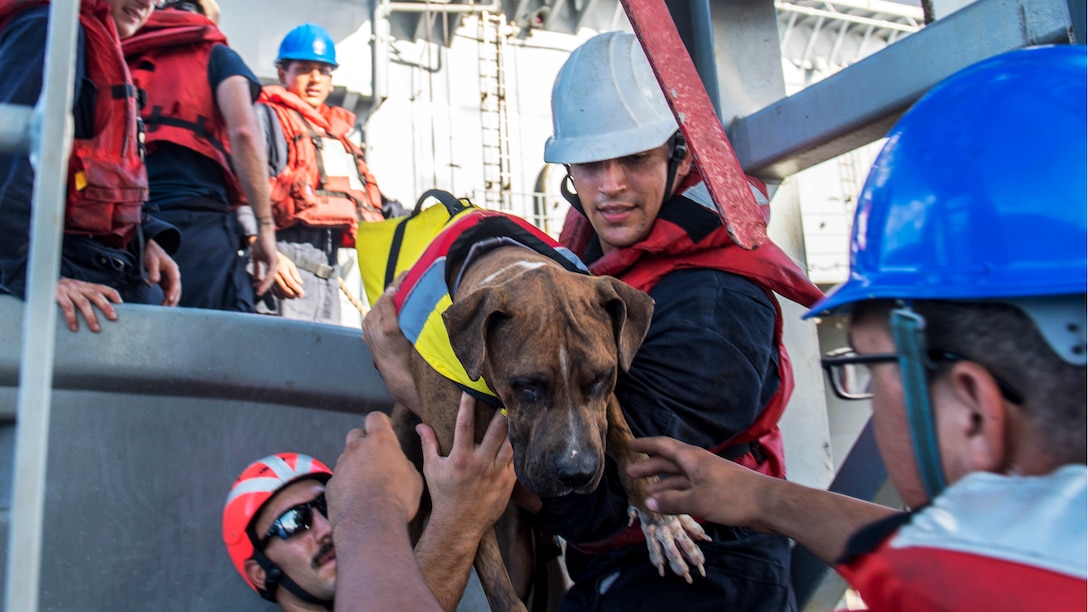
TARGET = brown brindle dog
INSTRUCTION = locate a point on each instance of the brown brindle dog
(550, 344)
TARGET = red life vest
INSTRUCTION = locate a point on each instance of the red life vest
(677, 241)
(987, 542)
(302, 192)
(169, 58)
(107, 183)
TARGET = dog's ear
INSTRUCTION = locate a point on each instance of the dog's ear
(631, 311)
(468, 321)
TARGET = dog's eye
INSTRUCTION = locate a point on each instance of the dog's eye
(600, 382)
(528, 390)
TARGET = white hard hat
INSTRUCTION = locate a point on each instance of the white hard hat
(606, 103)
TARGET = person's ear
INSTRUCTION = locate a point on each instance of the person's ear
(974, 422)
(281, 74)
(684, 167)
(255, 572)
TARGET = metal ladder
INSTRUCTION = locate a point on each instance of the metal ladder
(494, 123)
(45, 133)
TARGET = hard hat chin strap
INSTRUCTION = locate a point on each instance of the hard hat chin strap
(275, 577)
(908, 332)
(678, 150)
(568, 194)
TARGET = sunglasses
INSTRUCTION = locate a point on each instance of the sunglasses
(295, 520)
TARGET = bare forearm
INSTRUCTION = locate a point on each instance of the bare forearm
(247, 144)
(821, 521)
(445, 557)
(376, 569)
(251, 164)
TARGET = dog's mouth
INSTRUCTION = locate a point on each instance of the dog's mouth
(547, 481)
(559, 490)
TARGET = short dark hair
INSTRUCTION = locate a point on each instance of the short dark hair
(1003, 339)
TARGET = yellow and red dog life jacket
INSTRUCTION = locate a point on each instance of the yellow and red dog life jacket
(425, 293)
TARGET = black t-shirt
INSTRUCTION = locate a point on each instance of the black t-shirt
(177, 173)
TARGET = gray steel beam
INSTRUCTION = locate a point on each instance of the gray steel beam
(859, 104)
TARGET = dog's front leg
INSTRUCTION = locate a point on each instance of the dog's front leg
(668, 537)
(438, 405)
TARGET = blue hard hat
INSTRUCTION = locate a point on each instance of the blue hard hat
(979, 192)
(308, 42)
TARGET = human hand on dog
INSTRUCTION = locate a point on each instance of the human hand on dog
(389, 348)
(374, 493)
(697, 482)
(471, 486)
(700, 483)
(373, 476)
(469, 491)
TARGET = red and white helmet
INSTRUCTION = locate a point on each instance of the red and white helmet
(254, 487)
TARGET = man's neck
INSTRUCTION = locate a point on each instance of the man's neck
(289, 603)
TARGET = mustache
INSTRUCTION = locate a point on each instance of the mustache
(322, 552)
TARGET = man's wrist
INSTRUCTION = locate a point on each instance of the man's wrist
(373, 508)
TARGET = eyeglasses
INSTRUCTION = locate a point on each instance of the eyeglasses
(851, 378)
(295, 520)
(308, 67)
(849, 372)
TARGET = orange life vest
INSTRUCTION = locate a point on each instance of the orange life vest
(107, 183)
(169, 58)
(302, 192)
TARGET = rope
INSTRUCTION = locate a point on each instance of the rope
(351, 297)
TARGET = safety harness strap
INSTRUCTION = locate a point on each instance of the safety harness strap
(319, 145)
(275, 577)
(320, 270)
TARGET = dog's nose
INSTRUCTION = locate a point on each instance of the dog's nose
(577, 470)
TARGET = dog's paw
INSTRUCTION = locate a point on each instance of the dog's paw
(672, 538)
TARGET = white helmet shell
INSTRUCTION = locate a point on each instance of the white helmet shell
(606, 103)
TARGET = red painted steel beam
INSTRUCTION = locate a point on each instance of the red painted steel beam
(714, 156)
